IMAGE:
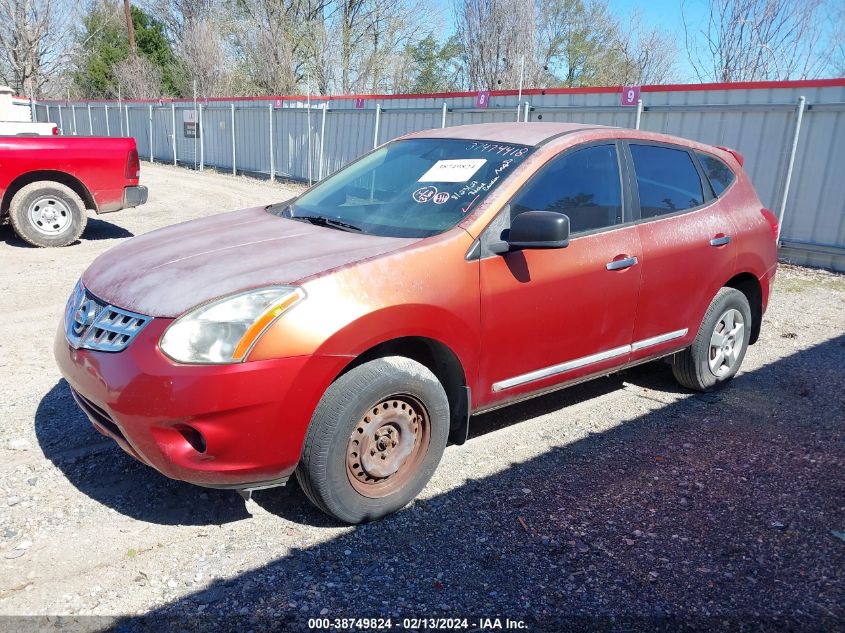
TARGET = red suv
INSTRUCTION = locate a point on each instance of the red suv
(347, 334)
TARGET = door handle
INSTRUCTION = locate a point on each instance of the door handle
(720, 240)
(621, 264)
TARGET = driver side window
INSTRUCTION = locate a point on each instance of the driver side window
(584, 184)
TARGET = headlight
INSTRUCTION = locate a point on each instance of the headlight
(225, 330)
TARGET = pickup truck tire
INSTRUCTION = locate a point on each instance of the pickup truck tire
(47, 213)
(374, 440)
(719, 348)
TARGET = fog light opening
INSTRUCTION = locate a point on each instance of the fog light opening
(193, 437)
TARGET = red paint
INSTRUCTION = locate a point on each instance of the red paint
(501, 316)
(739, 85)
(100, 165)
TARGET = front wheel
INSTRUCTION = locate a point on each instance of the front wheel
(47, 213)
(718, 350)
(375, 439)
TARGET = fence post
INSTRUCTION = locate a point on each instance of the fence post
(322, 138)
(527, 112)
(639, 114)
(799, 115)
(378, 120)
(73, 116)
(173, 128)
(108, 127)
(90, 122)
(152, 158)
(443, 115)
(61, 121)
(128, 133)
(272, 148)
(48, 113)
(234, 154)
(202, 140)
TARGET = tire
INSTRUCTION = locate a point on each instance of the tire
(714, 357)
(47, 213)
(393, 408)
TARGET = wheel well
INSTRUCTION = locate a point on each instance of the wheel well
(56, 176)
(437, 357)
(749, 285)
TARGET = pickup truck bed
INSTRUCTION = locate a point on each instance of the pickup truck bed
(48, 182)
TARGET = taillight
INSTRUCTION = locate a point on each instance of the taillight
(55, 130)
(771, 218)
(133, 165)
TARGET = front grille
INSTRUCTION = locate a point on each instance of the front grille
(91, 323)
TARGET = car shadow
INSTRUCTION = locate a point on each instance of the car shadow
(98, 229)
(95, 229)
(697, 515)
(98, 468)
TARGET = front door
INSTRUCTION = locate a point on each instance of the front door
(551, 316)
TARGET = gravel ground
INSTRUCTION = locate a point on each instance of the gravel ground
(622, 504)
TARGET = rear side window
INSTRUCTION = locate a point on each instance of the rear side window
(583, 184)
(718, 173)
(667, 180)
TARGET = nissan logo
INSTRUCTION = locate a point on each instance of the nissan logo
(84, 316)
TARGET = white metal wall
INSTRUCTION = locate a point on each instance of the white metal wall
(295, 141)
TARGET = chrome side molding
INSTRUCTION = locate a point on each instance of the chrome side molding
(577, 363)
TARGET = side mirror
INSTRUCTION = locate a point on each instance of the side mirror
(535, 229)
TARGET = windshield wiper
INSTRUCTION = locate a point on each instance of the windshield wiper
(321, 220)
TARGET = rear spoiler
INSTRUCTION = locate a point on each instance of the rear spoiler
(739, 157)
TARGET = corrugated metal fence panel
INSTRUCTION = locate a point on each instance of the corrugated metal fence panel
(252, 135)
(217, 135)
(757, 122)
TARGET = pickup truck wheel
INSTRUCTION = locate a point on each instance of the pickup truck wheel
(720, 346)
(47, 213)
(375, 439)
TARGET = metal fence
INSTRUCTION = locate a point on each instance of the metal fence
(792, 135)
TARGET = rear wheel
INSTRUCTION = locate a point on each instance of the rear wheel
(47, 213)
(375, 439)
(717, 352)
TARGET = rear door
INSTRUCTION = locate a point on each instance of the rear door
(688, 245)
(549, 316)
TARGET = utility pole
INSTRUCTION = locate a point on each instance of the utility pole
(127, 10)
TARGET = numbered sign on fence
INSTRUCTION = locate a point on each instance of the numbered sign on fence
(277, 103)
(359, 103)
(630, 95)
(482, 99)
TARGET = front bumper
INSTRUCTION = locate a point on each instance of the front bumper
(134, 196)
(229, 426)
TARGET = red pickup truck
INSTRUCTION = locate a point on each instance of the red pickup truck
(48, 183)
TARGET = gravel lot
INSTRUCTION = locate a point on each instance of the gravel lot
(623, 504)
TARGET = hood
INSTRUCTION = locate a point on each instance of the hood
(166, 272)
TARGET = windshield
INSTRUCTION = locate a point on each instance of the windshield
(411, 188)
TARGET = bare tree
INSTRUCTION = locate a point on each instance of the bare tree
(138, 78)
(747, 40)
(497, 37)
(203, 56)
(34, 44)
(649, 54)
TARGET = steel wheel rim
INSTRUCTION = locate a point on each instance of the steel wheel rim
(387, 446)
(726, 342)
(49, 216)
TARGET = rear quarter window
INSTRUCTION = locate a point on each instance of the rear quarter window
(718, 173)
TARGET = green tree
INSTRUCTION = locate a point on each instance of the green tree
(104, 44)
(434, 67)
